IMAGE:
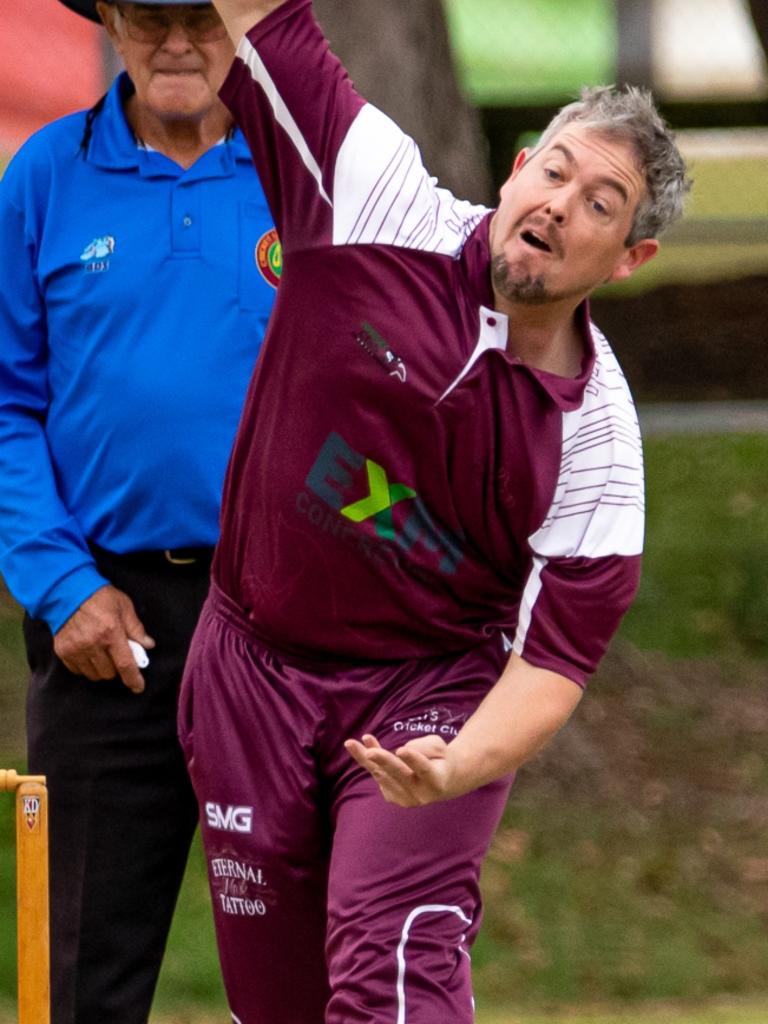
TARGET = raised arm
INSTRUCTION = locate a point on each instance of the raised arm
(241, 15)
(335, 170)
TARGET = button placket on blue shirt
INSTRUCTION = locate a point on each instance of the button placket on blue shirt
(186, 216)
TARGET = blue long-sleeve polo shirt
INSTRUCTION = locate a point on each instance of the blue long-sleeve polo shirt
(134, 298)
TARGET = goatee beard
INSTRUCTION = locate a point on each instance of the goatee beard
(528, 289)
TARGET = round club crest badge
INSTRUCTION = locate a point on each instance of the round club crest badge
(269, 257)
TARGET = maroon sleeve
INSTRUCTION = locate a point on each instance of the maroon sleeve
(571, 609)
(295, 103)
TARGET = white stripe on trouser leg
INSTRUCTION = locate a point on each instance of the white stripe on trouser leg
(428, 908)
(236, 1020)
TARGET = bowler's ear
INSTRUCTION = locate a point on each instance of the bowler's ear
(520, 159)
(635, 256)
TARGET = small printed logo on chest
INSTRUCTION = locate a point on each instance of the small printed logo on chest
(369, 339)
(95, 256)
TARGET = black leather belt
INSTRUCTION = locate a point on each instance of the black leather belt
(188, 556)
(168, 558)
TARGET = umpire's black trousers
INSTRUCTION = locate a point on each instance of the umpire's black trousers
(122, 812)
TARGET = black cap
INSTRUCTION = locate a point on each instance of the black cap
(88, 7)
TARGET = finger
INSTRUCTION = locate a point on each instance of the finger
(126, 666)
(134, 627)
(380, 763)
(357, 750)
(393, 778)
(141, 636)
(432, 746)
(89, 670)
(384, 763)
(360, 754)
(80, 667)
(417, 761)
(102, 663)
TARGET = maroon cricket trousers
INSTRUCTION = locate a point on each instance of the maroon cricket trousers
(331, 905)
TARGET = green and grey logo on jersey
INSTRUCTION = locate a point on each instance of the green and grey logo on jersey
(393, 511)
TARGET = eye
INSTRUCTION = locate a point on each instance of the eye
(552, 174)
(599, 207)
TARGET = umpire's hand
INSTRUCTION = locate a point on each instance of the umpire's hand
(94, 641)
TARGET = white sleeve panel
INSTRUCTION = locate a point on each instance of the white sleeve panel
(531, 592)
(599, 503)
(247, 53)
(383, 195)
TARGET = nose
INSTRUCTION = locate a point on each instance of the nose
(177, 37)
(557, 210)
(559, 203)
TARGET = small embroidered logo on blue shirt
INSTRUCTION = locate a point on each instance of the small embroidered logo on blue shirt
(96, 253)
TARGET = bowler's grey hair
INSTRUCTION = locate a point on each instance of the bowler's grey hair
(629, 114)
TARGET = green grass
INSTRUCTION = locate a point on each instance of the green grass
(7, 897)
(705, 582)
(669, 1013)
(706, 1013)
(596, 910)
(190, 972)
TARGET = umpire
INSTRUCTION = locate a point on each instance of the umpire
(139, 270)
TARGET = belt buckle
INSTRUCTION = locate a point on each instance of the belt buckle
(175, 560)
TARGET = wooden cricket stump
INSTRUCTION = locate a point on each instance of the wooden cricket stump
(31, 894)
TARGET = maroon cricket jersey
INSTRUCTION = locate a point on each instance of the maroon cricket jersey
(401, 485)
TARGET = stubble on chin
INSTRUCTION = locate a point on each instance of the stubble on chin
(525, 288)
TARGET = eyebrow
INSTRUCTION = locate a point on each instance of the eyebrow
(609, 182)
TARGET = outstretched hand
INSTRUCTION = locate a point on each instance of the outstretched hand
(415, 774)
(518, 715)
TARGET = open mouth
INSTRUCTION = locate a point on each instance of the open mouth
(534, 240)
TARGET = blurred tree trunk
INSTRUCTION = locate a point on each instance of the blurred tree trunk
(759, 9)
(635, 29)
(399, 56)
